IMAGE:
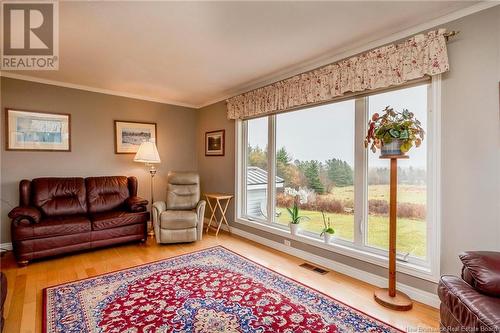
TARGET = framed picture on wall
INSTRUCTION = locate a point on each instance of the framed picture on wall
(130, 134)
(37, 131)
(214, 143)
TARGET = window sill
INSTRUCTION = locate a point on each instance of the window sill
(421, 272)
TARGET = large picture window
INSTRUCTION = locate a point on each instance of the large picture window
(316, 154)
(412, 181)
(315, 159)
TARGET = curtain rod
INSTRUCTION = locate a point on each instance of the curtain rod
(447, 36)
(450, 34)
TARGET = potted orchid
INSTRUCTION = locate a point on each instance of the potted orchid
(301, 196)
(393, 132)
(295, 218)
(328, 231)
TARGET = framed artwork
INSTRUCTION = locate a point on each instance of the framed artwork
(130, 134)
(214, 143)
(37, 131)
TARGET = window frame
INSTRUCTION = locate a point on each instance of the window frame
(427, 269)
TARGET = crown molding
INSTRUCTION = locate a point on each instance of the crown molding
(352, 50)
(94, 89)
(361, 46)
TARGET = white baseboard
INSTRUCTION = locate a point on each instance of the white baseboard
(6, 246)
(421, 296)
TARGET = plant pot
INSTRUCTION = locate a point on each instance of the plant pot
(328, 237)
(294, 228)
(393, 148)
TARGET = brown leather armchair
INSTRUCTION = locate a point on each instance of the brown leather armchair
(180, 218)
(60, 215)
(472, 303)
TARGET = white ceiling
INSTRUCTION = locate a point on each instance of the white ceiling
(195, 53)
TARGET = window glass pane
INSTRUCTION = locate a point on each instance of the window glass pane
(315, 165)
(412, 187)
(256, 195)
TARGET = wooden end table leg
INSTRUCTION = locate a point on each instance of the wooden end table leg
(221, 218)
(224, 215)
(212, 216)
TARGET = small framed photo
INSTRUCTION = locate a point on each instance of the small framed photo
(214, 143)
(37, 131)
(130, 134)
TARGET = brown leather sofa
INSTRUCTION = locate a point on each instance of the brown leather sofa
(61, 215)
(472, 303)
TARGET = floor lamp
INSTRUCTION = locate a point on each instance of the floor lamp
(148, 154)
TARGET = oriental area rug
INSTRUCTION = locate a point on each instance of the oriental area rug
(212, 290)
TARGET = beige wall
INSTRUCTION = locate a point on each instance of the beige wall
(92, 135)
(471, 139)
(216, 172)
(470, 149)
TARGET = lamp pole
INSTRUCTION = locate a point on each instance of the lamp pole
(152, 172)
(148, 154)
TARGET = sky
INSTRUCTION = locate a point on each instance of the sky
(327, 131)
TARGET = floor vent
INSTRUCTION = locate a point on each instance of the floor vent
(313, 268)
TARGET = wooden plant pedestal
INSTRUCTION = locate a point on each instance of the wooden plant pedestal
(390, 297)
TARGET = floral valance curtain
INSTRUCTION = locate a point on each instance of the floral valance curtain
(387, 66)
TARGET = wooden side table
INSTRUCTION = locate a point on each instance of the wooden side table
(219, 202)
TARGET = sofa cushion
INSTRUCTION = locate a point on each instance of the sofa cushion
(59, 196)
(53, 226)
(106, 193)
(178, 219)
(482, 271)
(117, 218)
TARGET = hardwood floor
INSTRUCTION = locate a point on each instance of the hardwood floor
(23, 307)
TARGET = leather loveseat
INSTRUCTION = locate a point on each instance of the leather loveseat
(61, 215)
(472, 303)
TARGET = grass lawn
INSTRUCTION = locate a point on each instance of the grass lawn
(411, 235)
(406, 193)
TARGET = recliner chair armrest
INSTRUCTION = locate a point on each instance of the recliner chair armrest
(200, 211)
(136, 204)
(27, 213)
(159, 206)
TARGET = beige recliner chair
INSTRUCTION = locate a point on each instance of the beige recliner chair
(180, 219)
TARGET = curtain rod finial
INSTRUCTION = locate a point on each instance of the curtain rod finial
(450, 34)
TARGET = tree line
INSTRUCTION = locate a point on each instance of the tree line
(322, 177)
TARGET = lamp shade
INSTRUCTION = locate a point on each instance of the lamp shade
(147, 153)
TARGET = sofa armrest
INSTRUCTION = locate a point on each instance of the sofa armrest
(136, 204)
(200, 211)
(474, 311)
(28, 213)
